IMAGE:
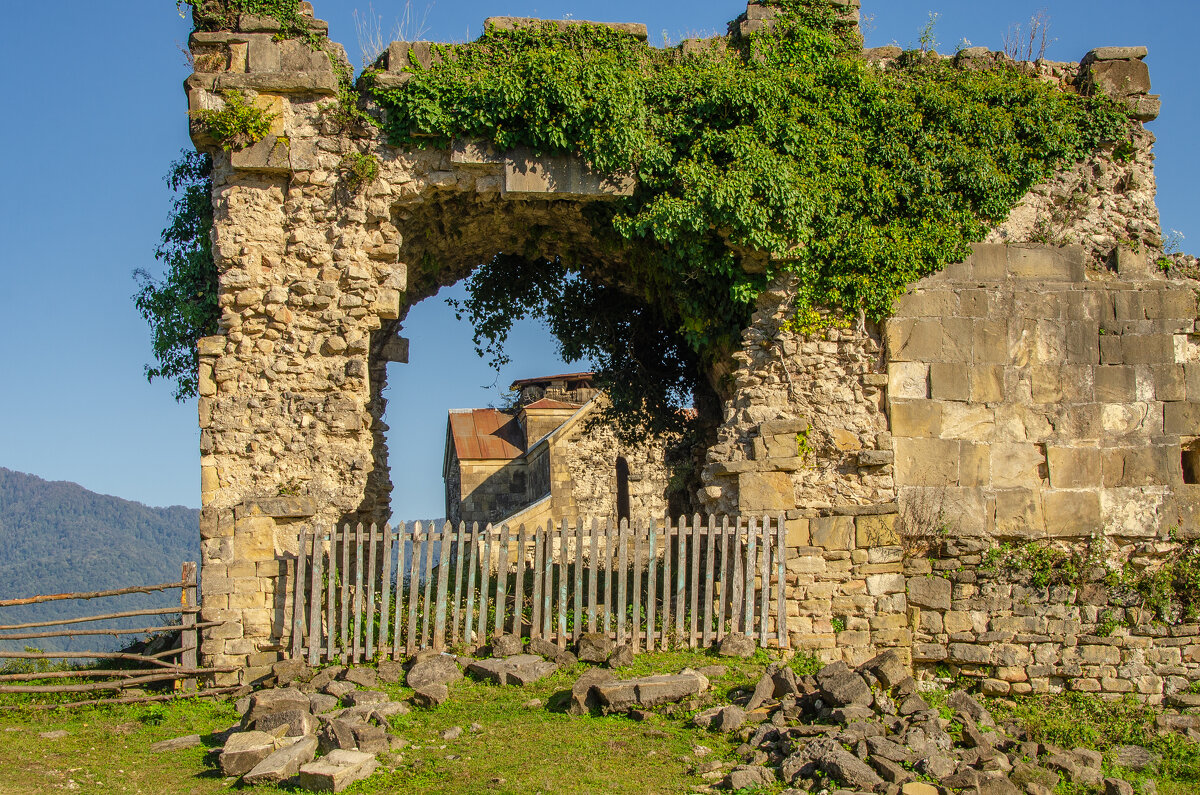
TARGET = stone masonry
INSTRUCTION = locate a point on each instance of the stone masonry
(1046, 389)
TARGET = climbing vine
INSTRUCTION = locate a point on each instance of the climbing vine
(783, 153)
(780, 153)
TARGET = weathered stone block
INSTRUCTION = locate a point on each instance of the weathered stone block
(798, 533)
(908, 380)
(833, 532)
(932, 593)
(1118, 78)
(876, 531)
(913, 340)
(565, 176)
(1115, 384)
(986, 383)
(765, 491)
(1073, 468)
(917, 418)
(1071, 514)
(927, 462)
(1019, 513)
(1182, 419)
(1046, 263)
(1141, 466)
(948, 381)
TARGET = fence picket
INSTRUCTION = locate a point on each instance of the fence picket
(666, 579)
(637, 586)
(443, 582)
(518, 624)
(331, 597)
(548, 581)
(485, 569)
(593, 573)
(298, 623)
(751, 565)
(414, 581)
(781, 581)
(371, 557)
(608, 574)
(737, 603)
(314, 602)
(577, 629)
(764, 581)
(651, 585)
(469, 616)
(456, 615)
(535, 616)
(385, 601)
(501, 582)
(709, 565)
(398, 610)
(622, 578)
(680, 579)
(344, 637)
(564, 534)
(693, 637)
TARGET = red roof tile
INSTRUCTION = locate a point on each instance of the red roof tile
(486, 434)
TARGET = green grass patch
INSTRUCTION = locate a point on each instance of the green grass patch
(518, 749)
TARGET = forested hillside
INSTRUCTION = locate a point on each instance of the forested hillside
(58, 536)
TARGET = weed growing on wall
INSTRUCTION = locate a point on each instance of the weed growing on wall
(238, 124)
(359, 170)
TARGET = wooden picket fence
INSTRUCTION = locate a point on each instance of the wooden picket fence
(176, 666)
(367, 593)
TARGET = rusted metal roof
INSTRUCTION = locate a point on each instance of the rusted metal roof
(547, 378)
(486, 434)
(547, 403)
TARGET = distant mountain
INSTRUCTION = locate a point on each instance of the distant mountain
(59, 537)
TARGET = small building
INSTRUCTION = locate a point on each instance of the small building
(547, 459)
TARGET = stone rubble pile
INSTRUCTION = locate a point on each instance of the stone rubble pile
(869, 730)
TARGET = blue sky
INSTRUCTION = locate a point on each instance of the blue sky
(94, 112)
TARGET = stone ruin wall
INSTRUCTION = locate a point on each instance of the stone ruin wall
(1033, 391)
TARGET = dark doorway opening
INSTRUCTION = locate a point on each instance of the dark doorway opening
(622, 488)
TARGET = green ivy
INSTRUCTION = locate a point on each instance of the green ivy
(238, 124)
(785, 153)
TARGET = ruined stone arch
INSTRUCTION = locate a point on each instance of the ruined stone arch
(1046, 395)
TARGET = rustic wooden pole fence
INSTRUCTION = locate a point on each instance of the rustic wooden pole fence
(154, 667)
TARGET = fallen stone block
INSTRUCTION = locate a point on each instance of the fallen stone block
(842, 687)
(298, 723)
(428, 696)
(320, 703)
(389, 671)
(650, 691)
(521, 669)
(594, 647)
(747, 776)
(361, 676)
(288, 671)
(338, 770)
(283, 763)
(621, 657)
(280, 699)
(244, 750)
(176, 743)
(507, 646)
(842, 765)
(337, 734)
(439, 669)
(360, 697)
(737, 645)
(582, 699)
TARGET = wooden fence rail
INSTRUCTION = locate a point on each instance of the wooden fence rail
(362, 593)
(153, 667)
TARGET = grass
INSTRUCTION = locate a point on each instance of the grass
(519, 749)
(1074, 720)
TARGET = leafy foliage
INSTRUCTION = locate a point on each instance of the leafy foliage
(182, 307)
(785, 153)
(238, 124)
